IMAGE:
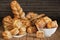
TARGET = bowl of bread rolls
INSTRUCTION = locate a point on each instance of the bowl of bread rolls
(47, 25)
(21, 24)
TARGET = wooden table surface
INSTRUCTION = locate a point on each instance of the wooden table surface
(55, 36)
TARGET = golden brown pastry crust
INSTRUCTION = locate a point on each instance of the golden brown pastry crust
(40, 23)
(31, 29)
(17, 23)
(7, 22)
(21, 24)
(17, 10)
(31, 15)
(22, 30)
(40, 34)
(52, 24)
(14, 31)
(25, 22)
(47, 19)
(38, 17)
(7, 35)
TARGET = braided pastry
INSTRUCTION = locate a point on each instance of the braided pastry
(17, 10)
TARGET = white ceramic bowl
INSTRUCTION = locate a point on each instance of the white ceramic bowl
(49, 32)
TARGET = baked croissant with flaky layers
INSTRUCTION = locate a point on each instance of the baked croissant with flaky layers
(7, 22)
(17, 10)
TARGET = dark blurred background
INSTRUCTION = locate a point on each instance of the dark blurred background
(49, 7)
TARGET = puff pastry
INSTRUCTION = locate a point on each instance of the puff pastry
(7, 22)
(14, 31)
(40, 23)
(31, 15)
(22, 30)
(47, 19)
(31, 29)
(17, 23)
(7, 35)
(40, 34)
(52, 24)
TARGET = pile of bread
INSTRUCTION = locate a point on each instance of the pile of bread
(21, 24)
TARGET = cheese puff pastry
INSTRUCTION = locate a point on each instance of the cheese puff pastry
(31, 15)
(52, 24)
(7, 35)
(31, 29)
(38, 16)
(47, 19)
(17, 23)
(14, 31)
(22, 30)
(25, 22)
(40, 23)
(7, 22)
(40, 34)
